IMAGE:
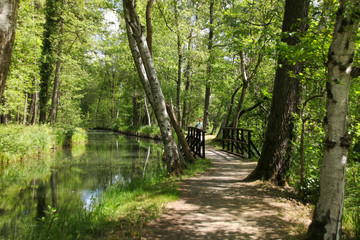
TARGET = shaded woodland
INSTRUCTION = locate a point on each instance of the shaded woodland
(288, 70)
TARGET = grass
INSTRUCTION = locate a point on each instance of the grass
(18, 141)
(120, 212)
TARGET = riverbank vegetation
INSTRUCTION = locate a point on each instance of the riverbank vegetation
(226, 61)
(19, 142)
(120, 211)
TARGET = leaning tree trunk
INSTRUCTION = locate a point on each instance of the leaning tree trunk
(272, 164)
(8, 16)
(326, 223)
(151, 84)
(187, 151)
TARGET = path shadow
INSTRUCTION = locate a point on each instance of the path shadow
(217, 205)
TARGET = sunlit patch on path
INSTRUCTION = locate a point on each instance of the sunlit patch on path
(217, 205)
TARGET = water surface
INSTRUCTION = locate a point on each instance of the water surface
(29, 190)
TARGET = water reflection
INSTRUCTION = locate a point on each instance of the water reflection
(30, 189)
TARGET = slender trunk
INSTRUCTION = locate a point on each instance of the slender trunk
(97, 108)
(327, 218)
(36, 103)
(30, 109)
(118, 105)
(187, 77)
(8, 17)
(135, 107)
(179, 80)
(149, 25)
(245, 86)
(48, 58)
(302, 159)
(113, 96)
(273, 163)
(231, 104)
(57, 77)
(147, 112)
(25, 108)
(209, 66)
(236, 115)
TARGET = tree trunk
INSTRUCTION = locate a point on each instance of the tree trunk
(135, 107)
(231, 104)
(147, 112)
(187, 83)
(118, 105)
(273, 163)
(187, 152)
(25, 108)
(8, 17)
(245, 86)
(149, 25)
(327, 218)
(236, 115)
(36, 103)
(57, 77)
(208, 71)
(48, 58)
(179, 79)
(151, 84)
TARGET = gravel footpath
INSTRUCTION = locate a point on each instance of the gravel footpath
(217, 205)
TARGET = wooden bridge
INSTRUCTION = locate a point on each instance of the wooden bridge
(196, 141)
(238, 140)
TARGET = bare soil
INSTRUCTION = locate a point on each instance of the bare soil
(217, 205)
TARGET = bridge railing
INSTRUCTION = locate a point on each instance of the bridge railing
(238, 140)
(196, 140)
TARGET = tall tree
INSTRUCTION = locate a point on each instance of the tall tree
(151, 84)
(273, 162)
(8, 17)
(48, 54)
(327, 218)
(54, 100)
(209, 65)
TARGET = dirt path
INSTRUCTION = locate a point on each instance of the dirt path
(217, 205)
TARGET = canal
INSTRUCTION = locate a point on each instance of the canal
(32, 189)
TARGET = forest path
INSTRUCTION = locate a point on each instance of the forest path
(217, 205)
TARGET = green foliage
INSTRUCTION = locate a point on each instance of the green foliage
(19, 141)
(352, 201)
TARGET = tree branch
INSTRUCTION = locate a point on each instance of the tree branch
(166, 23)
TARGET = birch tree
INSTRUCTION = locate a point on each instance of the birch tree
(327, 218)
(148, 76)
(8, 16)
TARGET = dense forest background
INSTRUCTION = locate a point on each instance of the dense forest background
(72, 66)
